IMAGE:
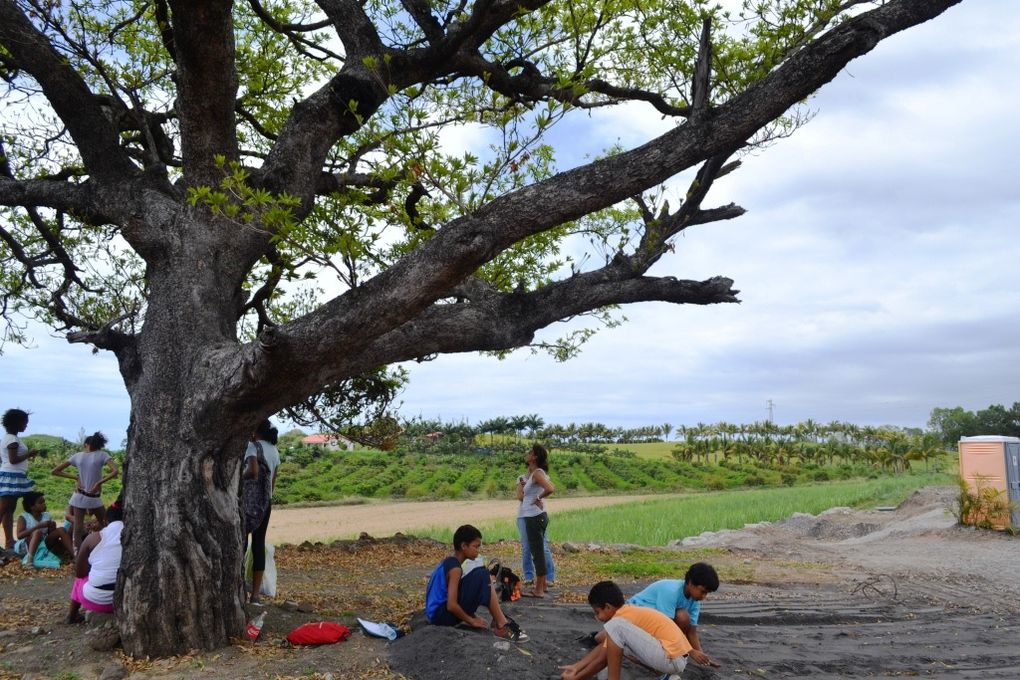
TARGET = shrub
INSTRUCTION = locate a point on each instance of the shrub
(715, 483)
(984, 506)
(416, 491)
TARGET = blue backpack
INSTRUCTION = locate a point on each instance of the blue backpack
(435, 591)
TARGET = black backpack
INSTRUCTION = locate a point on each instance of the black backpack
(508, 584)
(257, 494)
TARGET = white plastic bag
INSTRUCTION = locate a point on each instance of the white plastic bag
(269, 576)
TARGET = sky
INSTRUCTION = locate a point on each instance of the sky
(877, 264)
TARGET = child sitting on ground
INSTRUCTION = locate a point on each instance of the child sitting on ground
(646, 636)
(95, 568)
(36, 528)
(681, 601)
(459, 585)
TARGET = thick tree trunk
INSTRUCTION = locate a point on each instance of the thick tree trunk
(180, 584)
(180, 581)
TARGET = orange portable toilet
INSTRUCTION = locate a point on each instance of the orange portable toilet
(993, 462)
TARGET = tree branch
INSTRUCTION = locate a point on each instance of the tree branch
(203, 40)
(508, 320)
(702, 74)
(79, 199)
(68, 94)
(354, 321)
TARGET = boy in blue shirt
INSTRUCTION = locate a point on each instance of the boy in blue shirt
(459, 586)
(681, 601)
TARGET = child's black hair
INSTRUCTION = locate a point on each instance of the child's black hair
(267, 432)
(96, 441)
(465, 534)
(14, 419)
(702, 574)
(605, 592)
(115, 514)
(29, 499)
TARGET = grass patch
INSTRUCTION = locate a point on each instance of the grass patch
(659, 521)
(649, 450)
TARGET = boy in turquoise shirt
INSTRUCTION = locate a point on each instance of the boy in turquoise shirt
(680, 600)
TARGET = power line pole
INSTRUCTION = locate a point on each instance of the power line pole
(769, 405)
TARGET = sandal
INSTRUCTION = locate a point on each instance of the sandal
(532, 593)
(511, 631)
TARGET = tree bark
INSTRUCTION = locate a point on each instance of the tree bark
(180, 582)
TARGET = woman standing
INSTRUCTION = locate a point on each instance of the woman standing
(14, 481)
(531, 490)
(261, 449)
(88, 493)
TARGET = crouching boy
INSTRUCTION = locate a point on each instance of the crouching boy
(681, 601)
(645, 636)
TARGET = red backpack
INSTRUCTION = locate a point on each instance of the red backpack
(318, 633)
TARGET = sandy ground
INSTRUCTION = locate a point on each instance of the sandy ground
(846, 594)
(295, 525)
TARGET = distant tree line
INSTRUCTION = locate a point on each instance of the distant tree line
(952, 423)
(533, 427)
(808, 442)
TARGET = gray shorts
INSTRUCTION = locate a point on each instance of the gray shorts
(639, 645)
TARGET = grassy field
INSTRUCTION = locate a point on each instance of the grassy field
(658, 521)
(649, 450)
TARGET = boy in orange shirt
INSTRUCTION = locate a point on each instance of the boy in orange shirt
(644, 635)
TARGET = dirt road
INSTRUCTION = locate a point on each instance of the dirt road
(295, 525)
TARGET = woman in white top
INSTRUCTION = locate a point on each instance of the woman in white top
(14, 481)
(531, 490)
(264, 438)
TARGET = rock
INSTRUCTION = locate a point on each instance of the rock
(364, 537)
(117, 672)
(103, 638)
(39, 630)
(569, 547)
(305, 607)
(290, 606)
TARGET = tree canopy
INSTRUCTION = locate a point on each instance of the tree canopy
(255, 203)
(952, 423)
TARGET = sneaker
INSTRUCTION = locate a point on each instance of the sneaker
(511, 631)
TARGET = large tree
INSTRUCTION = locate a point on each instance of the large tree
(174, 172)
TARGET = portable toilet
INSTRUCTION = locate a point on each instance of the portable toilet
(993, 461)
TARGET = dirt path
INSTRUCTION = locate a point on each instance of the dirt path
(296, 525)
